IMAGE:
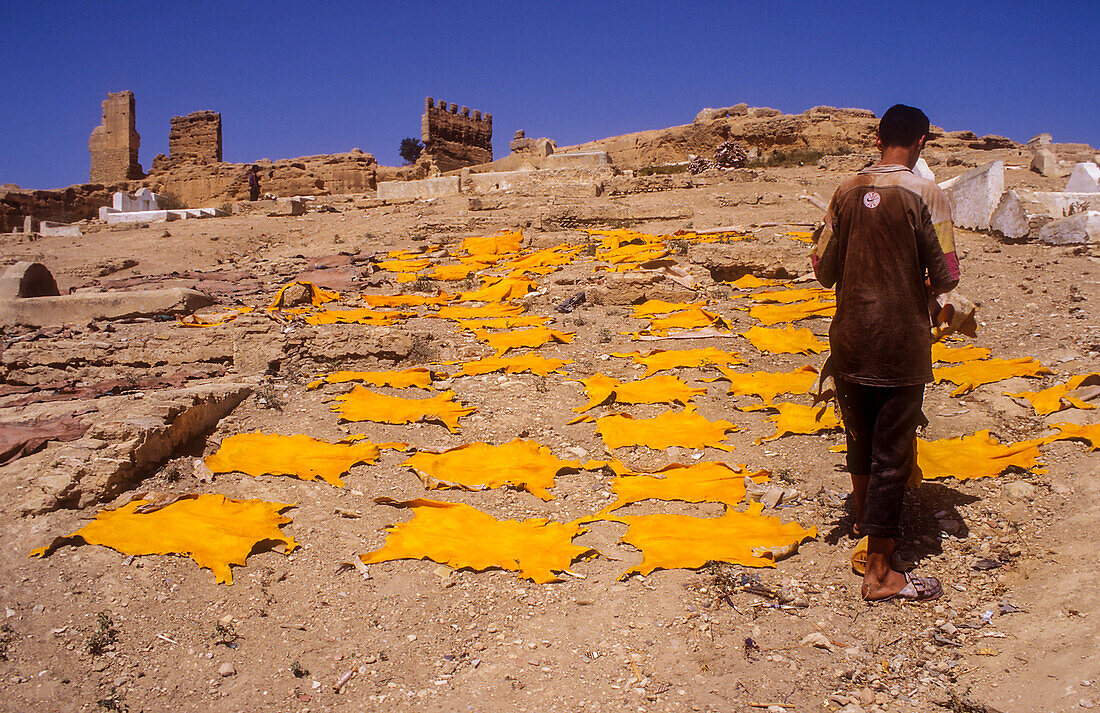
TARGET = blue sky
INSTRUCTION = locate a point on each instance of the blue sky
(294, 79)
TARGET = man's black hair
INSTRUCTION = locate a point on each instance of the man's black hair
(902, 125)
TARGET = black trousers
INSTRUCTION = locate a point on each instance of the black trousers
(881, 424)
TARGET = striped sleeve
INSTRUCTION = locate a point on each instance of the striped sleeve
(942, 261)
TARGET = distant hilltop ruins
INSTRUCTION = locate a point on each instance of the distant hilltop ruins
(194, 180)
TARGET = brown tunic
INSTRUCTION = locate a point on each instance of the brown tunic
(886, 231)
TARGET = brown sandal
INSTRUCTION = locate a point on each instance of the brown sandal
(916, 589)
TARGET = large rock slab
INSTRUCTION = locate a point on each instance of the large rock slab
(1009, 219)
(84, 307)
(1044, 162)
(1078, 229)
(413, 190)
(975, 195)
(127, 442)
(577, 159)
(1084, 179)
(1060, 204)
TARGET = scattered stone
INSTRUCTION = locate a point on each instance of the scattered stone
(975, 194)
(288, 207)
(226, 670)
(1077, 229)
(1084, 179)
(1018, 490)
(1009, 219)
(1044, 162)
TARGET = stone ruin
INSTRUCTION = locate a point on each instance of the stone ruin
(454, 139)
(114, 143)
(195, 138)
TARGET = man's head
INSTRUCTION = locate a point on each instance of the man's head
(902, 125)
(902, 132)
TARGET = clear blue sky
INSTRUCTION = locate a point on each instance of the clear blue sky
(294, 79)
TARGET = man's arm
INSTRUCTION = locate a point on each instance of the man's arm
(826, 256)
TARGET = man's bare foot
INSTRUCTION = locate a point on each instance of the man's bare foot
(875, 588)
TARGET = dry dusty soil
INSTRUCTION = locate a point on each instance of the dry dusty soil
(89, 629)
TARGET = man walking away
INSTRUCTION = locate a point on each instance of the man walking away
(887, 242)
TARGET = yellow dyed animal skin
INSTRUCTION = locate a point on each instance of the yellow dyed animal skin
(1059, 396)
(476, 466)
(687, 429)
(213, 530)
(663, 360)
(684, 542)
(317, 295)
(769, 314)
(943, 353)
(1076, 432)
(364, 405)
(978, 455)
(785, 340)
(535, 364)
(705, 482)
(970, 375)
(300, 456)
(420, 377)
(653, 390)
(767, 384)
(529, 338)
(462, 537)
(800, 419)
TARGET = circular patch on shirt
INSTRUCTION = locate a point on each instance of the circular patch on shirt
(871, 199)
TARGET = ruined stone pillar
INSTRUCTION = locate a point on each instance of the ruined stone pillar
(114, 143)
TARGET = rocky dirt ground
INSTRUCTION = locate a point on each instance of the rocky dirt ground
(91, 629)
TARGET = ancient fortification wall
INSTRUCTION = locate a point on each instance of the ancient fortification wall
(455, 138)
(114, 143)
(196, 137)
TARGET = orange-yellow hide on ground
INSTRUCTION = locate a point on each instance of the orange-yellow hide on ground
(654, 390)
(460, 536)
(213, 530)
(1076, 432)
(364, 405)
(708, 482)
(507, 242)
(523, 320)
(767, 384)
(212, 320)
(362, 315)
(786, 296)
(317, 295)
(476, 466)
(684, 542)
(405, 300)
(975, 456)
(419, 376)
(530, 338)
(450, 273)
(785, 340)
(481, 312)
(687, 429)
(688, 319)
(303, 457)
(943, 353)
(663, 360)
(654, 307)
(751, 282)
(800, 419)
(1060, 396)
(514, 365)
(413, 265)
(769, 314)
(499, 290)
(972, 374)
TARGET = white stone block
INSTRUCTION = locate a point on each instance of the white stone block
(141, 216)
(424, 188)
(49, 228)
(922, 170)
(1084, 179)
(579, 159)
(1060, 204)
(1009, 218)
(975, 194)
(1074, 230)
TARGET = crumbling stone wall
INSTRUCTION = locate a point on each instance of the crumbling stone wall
(196, 137)
(64, 205)
(114, 143)
(455, 138)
